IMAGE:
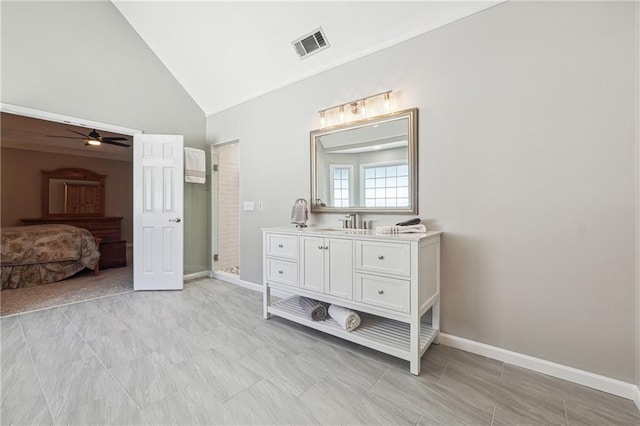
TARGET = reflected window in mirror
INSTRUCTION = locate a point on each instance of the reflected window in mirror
(386, 185)
(342, 194)
(367, 166)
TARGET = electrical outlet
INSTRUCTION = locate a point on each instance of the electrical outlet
(248, 206)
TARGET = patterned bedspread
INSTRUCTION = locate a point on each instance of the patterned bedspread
(38, 254)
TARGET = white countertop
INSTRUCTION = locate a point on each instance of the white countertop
(328, 231)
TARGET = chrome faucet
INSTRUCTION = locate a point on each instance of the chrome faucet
(351, 221)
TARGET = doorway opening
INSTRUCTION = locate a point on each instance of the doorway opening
(62, 151)
(225, 209)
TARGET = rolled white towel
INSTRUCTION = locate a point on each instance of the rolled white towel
(348, 319)
(401, 229)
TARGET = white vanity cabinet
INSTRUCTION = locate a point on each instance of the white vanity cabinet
(391, 280)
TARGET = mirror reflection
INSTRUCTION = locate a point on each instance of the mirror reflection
(73, 193)
(366, 166)
(69, 196)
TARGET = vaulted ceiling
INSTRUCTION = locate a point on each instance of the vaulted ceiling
(225, 53)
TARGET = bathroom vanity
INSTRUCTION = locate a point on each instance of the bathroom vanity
(391, 280)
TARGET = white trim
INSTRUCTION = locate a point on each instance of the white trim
(194, 275)
(215, 145)
(435, 26)
(59, 118)
(234, 279)
(581, 377)
(636, 397)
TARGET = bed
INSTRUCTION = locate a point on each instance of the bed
(41, 254)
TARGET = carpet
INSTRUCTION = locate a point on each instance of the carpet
(82, 286)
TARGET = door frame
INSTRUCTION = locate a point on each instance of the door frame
(214, 224)
(73, 121)
(66, 119)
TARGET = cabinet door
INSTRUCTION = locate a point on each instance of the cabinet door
(312, 263)
(339, 267)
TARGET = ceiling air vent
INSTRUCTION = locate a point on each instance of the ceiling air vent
(311, 43)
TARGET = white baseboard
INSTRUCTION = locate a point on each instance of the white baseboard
(581, 377)
(636, 398)
(234, 279)
(194, 275)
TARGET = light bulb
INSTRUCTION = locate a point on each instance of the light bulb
(93, 142)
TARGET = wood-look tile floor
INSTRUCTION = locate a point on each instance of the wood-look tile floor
(205, 356)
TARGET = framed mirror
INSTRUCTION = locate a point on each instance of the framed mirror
(72, 193)
(368, 166)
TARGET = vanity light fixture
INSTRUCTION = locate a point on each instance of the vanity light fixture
(359, 109)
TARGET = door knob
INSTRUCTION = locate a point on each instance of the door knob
(176, 220)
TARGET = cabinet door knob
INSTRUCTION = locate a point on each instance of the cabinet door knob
(280, 272)
(380, 291)
(326, 247)
(320, 247)
(280, 245)
(380, 257)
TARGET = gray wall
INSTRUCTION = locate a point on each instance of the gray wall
(84, 60)
(527, 163)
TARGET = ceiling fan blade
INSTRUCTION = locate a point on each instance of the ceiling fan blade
(64, 137)
(78, 133)
(110, 142)
(106, 138)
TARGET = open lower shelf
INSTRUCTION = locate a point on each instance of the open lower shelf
(382, 334)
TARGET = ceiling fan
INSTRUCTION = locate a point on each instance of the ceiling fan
(94, 138)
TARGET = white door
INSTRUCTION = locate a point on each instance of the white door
(158, 212)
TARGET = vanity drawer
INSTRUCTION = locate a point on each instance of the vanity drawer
(384, 258)
(282, 245)
(283, 272)
(384, 292)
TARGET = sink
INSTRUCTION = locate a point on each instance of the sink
(343, 230)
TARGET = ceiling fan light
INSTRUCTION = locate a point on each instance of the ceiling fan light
(93, 142)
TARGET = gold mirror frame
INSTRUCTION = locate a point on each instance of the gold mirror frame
(71, 174)
(412, 132)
